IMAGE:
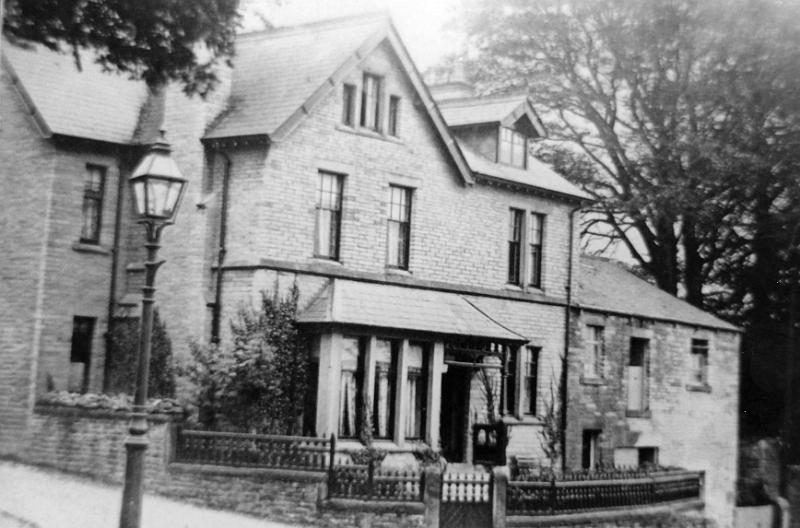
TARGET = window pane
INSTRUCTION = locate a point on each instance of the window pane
(531, 379)
(514, 240)
(511, 381)
(329, 205)
(348, 104)
(399, 226)
(504, 147)
(517, 149)
(394, 108)
(92, 204)
(370, 101)
(594, 351)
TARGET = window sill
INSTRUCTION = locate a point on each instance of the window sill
(698, 387)
(526, 419)
(326, 260)
(398, 271)
(512, 287)
(585, 380)
(366, 132)
(83, 247)
(638, 414)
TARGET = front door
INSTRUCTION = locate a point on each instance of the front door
(453, 420)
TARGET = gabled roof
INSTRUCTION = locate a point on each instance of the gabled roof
(605, 285)
(505, 110)
(281, 75)
(538, 175)
(90, 104)
(397, 307)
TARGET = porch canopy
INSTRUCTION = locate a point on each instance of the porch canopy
(346, 302)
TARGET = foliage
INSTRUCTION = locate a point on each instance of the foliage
(368, 455)
(490, 390)
(154, 40)
(123, 353)
(259, 383)
(683, 120)
(428, 457)
(118, 402)
(551, 432)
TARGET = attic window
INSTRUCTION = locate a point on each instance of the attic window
(371, 102)
(394, 110)
(348, 104)
(512, 147)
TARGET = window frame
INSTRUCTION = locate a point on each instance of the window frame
(530, 379)
(82, 338)
(403, 250)
(95, 196)
(594, 351)
(335, 231)
(700, 352)
(514, 142)
(535, 249)
(349, 98)
(515, 260)
(421, 376)
(393, 124)
(371, 102)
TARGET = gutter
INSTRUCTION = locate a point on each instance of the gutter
(223, 231)
(112, 293)
(565, 357)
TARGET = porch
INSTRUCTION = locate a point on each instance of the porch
(406, 369)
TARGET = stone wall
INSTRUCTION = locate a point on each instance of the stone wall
(692, 427)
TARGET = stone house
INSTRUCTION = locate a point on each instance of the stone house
(438, 262)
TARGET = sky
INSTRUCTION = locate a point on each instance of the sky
(422, 24)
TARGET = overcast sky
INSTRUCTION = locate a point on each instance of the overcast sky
(422, 24)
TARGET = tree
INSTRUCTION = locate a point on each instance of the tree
(259, 383)
(679, 117)
(154, 40)
(120, 374)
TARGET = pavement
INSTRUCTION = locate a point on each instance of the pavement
(32, 497)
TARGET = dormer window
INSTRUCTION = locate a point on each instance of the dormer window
(371, 102)
(512, 148)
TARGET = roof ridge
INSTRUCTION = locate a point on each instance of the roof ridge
(316, 25)
(477, 99)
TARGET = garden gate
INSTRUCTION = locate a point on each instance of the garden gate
(466, 499)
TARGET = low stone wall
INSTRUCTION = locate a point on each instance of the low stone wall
(91, 443)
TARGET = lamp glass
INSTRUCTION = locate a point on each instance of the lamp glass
(139, 193)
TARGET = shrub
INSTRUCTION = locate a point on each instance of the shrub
(122, 356)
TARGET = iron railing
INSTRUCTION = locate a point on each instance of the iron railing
(366, 482)
(301, 453)
(579, 493)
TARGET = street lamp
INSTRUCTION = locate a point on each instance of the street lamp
(158, 187)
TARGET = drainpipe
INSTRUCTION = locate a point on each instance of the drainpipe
(112, 293)
(223, 229)
(565, 358)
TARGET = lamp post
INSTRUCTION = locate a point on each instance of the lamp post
(158, 187)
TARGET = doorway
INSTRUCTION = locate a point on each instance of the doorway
(454, 412)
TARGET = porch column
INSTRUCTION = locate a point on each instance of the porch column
(435, 368)
(400, 404)
(330, 347)
(369, 374)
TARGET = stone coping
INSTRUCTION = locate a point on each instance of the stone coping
(105, 414)
(232, 471)
(595, 516)
(377, 506)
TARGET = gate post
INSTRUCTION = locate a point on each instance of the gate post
(500, 475)
(432, 496)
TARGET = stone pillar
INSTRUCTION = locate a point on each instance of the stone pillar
(435, 367)
(330, 347)
(433, 496)
(400, 403)
(500, 475)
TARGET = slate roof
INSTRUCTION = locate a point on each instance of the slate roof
(89, 104)
(538, 175)
(276, 71)
(402, 308)
(475, 110)
(605, 285)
